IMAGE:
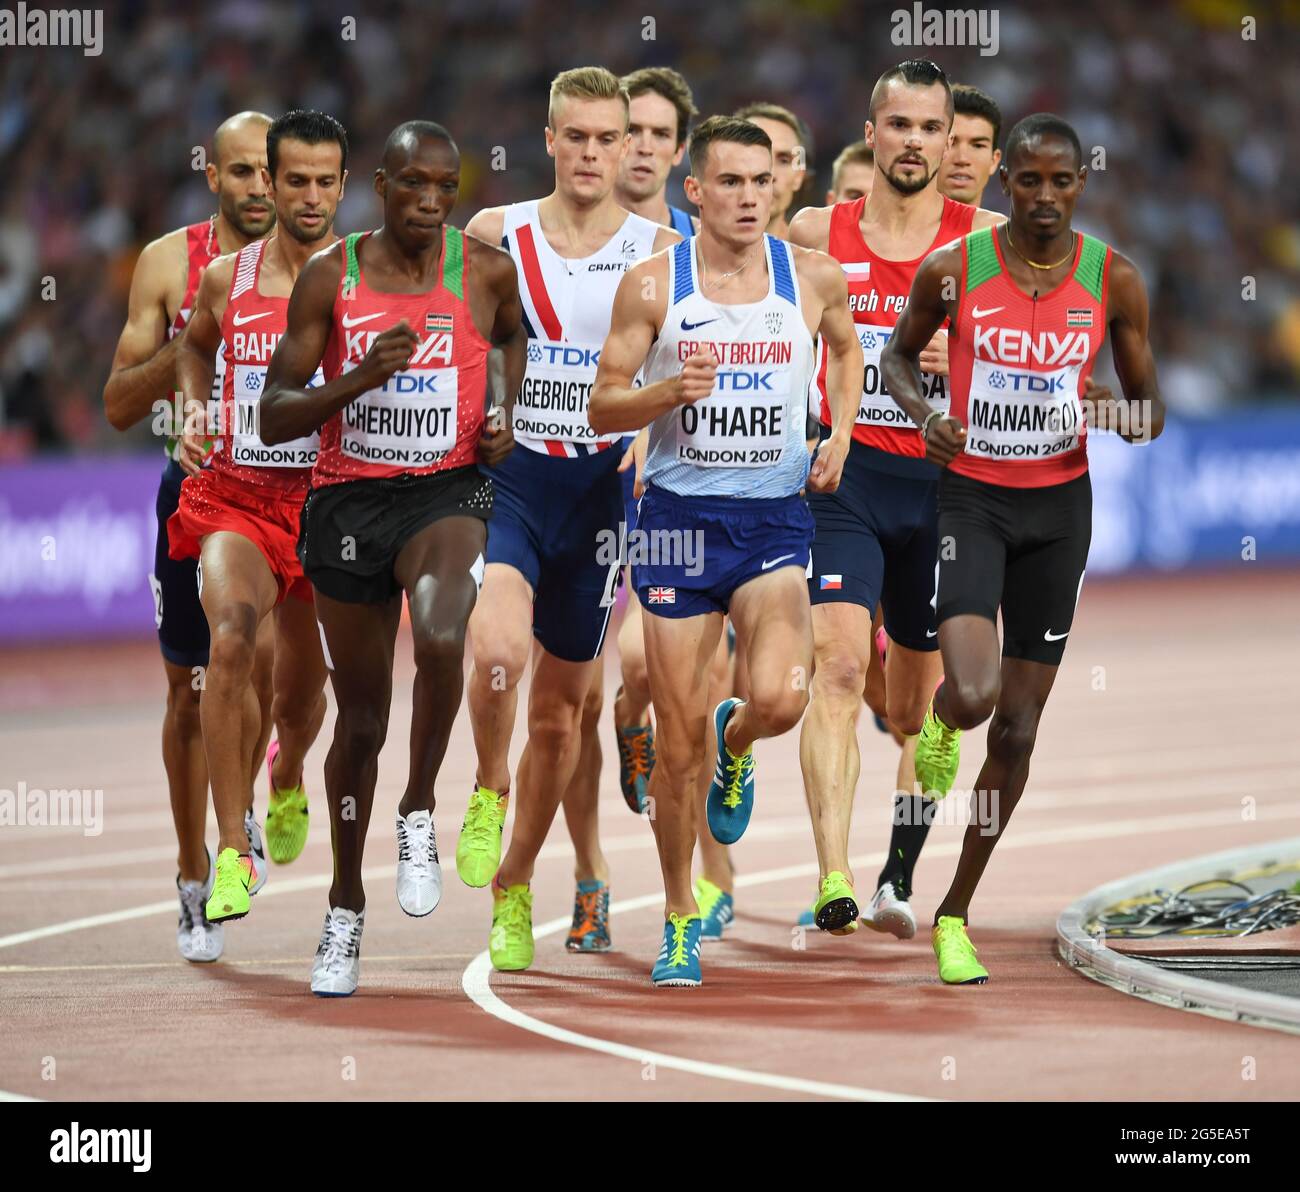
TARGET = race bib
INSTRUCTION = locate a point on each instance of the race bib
(877, 407)
(552, 402)
(246, 446)
(743, 423)
(1019, 414)
(408, 422)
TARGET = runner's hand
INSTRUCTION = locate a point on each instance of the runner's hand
(497, 439)
(634, 457)
(391, 352)
(934, 356)
(193, 443)
(945, 441)
(1104, 411)
(698, 376)
(824, 476)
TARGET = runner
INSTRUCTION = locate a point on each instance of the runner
(552, 555)
(973, 154)
(403, 318)
(765, 302)
(791, 157)
(1035, 303)
(876, 536)
(852, 174)
(240, 516)
(163, 289)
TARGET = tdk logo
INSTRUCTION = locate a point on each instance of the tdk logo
(737, 382)
(413, 382)
(1028, 382)
(567, 356)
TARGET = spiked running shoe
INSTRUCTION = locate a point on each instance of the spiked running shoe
(590, 930)
(257, 850)
(891, 912)
(286, 815)
(836, 906)
(636, 759)
(478, 850)
(419, 876)
(956, 954)
(338, 957)
(198, 941)
(938, 754)
(717, 909)
(510, 946)
(679, 954)
(731, 793)
(236, 876)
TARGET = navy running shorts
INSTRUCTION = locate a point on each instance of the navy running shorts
(178, 612)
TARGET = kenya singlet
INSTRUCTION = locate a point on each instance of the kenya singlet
(746, 439)
(201, 249)
(251, 328)
(1018, 365)
(878, 292)
(567, 306)
(428, 416)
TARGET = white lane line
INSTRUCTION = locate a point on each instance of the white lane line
(477, 985)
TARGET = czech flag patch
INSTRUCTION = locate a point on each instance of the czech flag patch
(831, 583)
(662, 595)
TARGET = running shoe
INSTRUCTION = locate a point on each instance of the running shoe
(478, 850)
(510, 946)
(679, 955)
(590, 930)
(808, 918)
(286, 815)
(731, 793)
(891, 912)
(199, 941)
(717, 909)
(938, 754)
(636, 758)
(236, 875)
(836, 906)
(956, 954)
(338, 957)
(419, 876)
(257, 850)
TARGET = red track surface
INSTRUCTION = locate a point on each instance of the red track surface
(1141, 762)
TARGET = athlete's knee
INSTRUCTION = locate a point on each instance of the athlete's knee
(361, 732)
(841, 672)
(972, 701)
(1012, 734)
(498, 663)
(906, 713)
(553, 720)
(233, 647)
(184, 689)
(438, 648)
(592, 707)
(777, 702)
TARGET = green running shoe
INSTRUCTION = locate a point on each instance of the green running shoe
(510, 945)
(229, 898)
(836, 906)
(286, 816)
(938, 754)
(478, 850)
(956, 954)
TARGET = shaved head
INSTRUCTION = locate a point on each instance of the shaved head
(405, 139)
(229, 130)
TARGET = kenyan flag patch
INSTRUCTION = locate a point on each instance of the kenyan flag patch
(442, 324)
(1078, 316)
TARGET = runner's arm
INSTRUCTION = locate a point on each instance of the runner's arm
(811, 228)
(844, 369)
(1129, 317)
(144, 365)
(509, 341)
(195, 360)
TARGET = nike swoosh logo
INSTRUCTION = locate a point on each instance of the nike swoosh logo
(778, 559)
(691, 326)
(931, 633)
(984, 314)
(1049, 636)
(240, 320)
(347, 322)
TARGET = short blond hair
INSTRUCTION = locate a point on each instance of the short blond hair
(857, 154)
(586, 82)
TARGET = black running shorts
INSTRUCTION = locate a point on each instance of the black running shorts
(1021, 549)
(353, 531)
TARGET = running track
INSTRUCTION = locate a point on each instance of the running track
(1195, 716)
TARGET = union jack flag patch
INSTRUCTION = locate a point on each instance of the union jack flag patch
(663, 595)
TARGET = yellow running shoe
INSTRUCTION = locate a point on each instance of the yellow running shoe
(956, 954)
(510, 945)
(286, 816)
(478, 850)
(836, 906)
(229, 900)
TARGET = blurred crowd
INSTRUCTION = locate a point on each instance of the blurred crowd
(1195, 180)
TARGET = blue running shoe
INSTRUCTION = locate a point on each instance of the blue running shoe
(717, 908)
(731, 793)
(679, 956)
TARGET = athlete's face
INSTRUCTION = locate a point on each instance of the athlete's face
(419, 183)
(588, 142)
(1044, 181)
(909, 134)
(855, 181)
(734, 194)
(238, 176)
(652, 147)
(307, 188)
(970, 160)
(789, 163)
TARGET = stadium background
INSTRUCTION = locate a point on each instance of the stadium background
(1200, 188)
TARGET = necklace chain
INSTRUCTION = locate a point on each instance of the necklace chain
(704, 271)
(1035, 264)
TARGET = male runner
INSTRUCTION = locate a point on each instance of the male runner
(876, 536)
(973, 154)
(851, 174)
(403, 318)
(557, 497)
(1034, 303)
(726, 466)
(240, 517)
(163, 288)
(791, 157)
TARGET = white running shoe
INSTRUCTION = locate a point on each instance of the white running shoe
(419, 876)
(256, 846)
(891, 914)
(199, 941)
(338, 957)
